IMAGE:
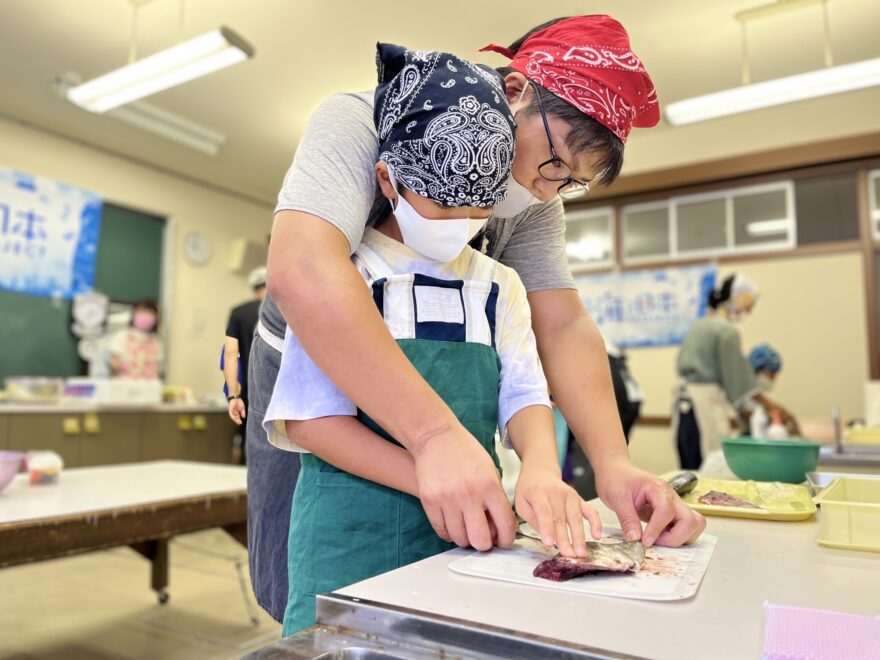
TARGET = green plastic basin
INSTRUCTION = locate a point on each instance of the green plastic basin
(771, 460)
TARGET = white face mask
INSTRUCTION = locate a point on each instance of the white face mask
(765, 383)
(517, 200)
(737, 315)
(442, 240)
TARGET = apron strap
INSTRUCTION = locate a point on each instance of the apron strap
(375, 265)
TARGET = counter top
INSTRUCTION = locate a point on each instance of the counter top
(867, 456)
(754, 562)
(79, 408)
(96, 489)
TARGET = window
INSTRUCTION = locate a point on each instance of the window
(827, 208)
(701, 224)
(711, 224)
(874, 195)
(646, 232)
(763, 217)
(589, 236)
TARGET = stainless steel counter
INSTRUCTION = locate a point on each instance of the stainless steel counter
(754, 562)
(867, 456)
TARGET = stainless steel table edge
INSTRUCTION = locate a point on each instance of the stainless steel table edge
(349, 627)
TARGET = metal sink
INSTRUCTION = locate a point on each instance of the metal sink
(358, 653)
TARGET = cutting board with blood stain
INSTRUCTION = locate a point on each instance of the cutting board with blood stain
(667, 573)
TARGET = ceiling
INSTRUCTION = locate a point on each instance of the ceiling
(306, 51)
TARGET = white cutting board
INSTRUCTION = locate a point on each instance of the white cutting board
(668, 573)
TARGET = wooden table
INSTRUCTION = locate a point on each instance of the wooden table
(141, 505)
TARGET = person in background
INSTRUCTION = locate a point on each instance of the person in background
(577, 469)
(717, 383)
(237, 348)
(766, 363)
(138, 351)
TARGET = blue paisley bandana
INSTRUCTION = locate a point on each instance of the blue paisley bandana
(444, 126)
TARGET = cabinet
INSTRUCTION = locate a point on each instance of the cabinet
(4, 432)
(109, 438)
(45, 431)
(104, 438)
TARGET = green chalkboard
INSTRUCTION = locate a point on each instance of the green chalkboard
(35, 338)
(129, 263)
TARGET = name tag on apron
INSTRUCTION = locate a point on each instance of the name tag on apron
(438, 305)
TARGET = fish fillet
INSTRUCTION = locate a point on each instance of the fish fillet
(718, 498)
(620, 557)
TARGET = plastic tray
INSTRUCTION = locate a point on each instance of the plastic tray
(869, 435)
(821, 480)
(851, 514)
(778, 501)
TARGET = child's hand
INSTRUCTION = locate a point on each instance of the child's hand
(554, 508)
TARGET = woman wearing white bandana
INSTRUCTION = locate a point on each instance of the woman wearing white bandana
(718, 386)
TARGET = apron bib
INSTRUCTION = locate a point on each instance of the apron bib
(345, 529)
(711, 410)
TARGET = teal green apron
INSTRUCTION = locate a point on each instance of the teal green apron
(345, 529)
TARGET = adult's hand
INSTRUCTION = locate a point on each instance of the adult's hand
(635, 496)
(461, 491)
(237, 413)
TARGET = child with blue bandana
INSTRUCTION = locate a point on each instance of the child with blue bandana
(462, 319)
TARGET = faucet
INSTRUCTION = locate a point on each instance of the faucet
(838, 431)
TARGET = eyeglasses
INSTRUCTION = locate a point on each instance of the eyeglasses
(557, 169)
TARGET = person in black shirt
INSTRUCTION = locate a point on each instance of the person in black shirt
(239, 335)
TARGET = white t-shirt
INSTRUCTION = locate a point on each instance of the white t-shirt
(303, 392)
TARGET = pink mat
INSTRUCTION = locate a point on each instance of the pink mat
(801, 633)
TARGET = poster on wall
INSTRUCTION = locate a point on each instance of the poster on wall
(647, 307)
(48, 235)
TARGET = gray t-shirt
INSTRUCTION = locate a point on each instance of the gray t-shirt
(333, 177)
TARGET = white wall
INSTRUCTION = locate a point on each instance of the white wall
(200, 297)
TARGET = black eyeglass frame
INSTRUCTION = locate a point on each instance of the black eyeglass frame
(570, 188)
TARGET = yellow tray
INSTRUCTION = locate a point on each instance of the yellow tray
(851, 514)
(865, 436)
(778, 501)
(845, 546)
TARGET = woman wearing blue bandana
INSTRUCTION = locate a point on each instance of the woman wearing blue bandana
(446, 145)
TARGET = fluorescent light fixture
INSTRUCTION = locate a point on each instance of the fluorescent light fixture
(812, 84)
(768, 227)
(170, 126)
(191, 59)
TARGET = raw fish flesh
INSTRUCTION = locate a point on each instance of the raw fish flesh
(717, 498)
(619, 557)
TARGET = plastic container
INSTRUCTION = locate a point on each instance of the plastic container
(27, 389)
(850, 514)
(10, 463)
(864, 435)
(771, 460)
(758, 422)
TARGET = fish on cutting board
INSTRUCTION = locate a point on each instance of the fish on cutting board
(718, 498)
(616, 556)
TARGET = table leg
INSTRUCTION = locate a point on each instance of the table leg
(156, 551)
(238, 531)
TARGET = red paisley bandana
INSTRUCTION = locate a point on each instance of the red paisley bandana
(587, 62)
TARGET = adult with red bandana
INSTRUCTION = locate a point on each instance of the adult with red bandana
(577, 90)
